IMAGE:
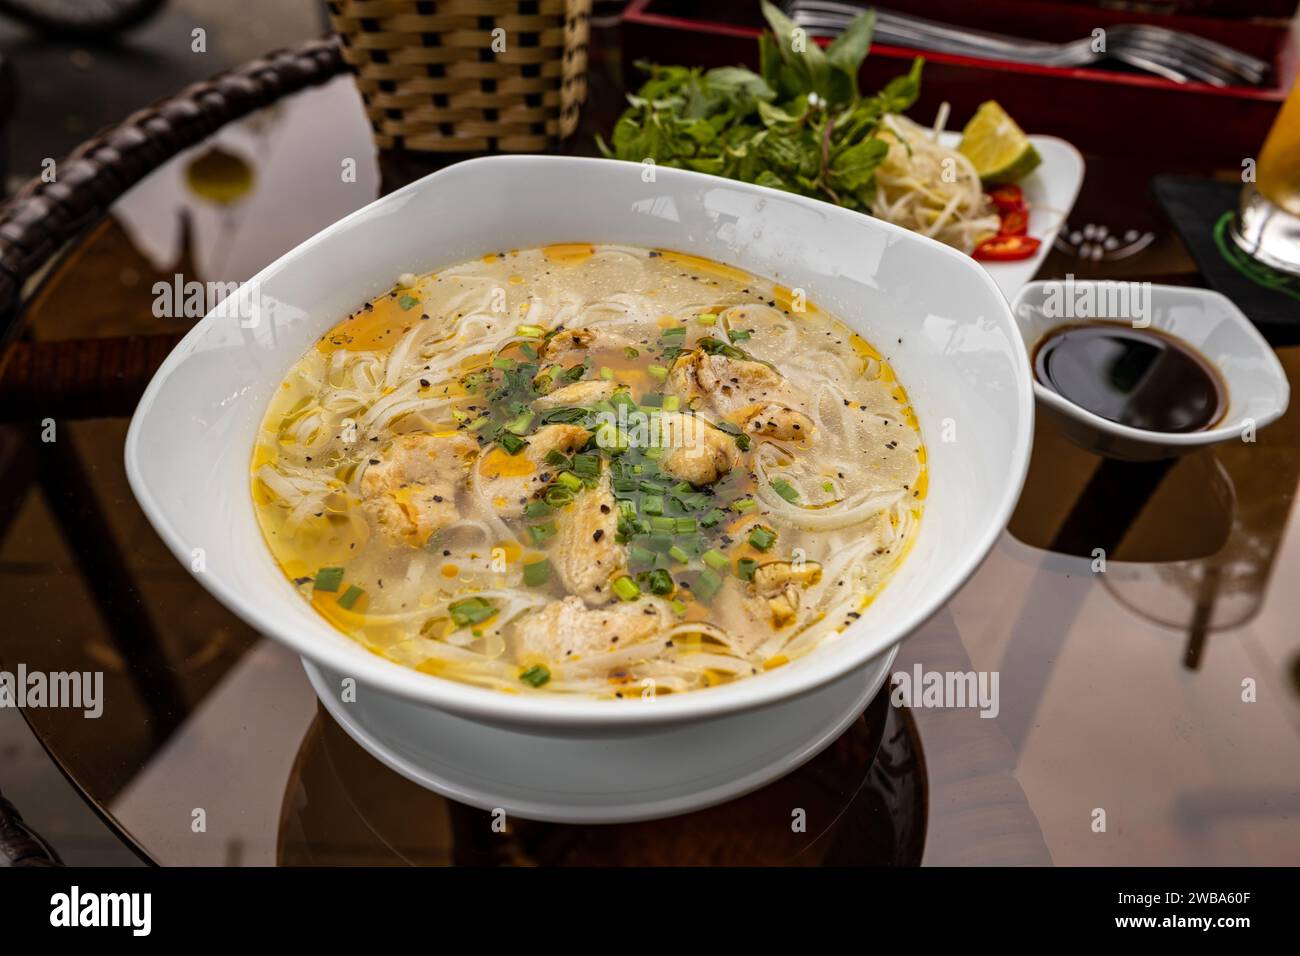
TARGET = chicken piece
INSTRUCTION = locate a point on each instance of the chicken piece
(780, 585)
(585, 555)
(778, 421)
(579, 393)
(509, 481)
(568, 629)
(410, 487)
(571, 340)
(727, 385)
(701, 454)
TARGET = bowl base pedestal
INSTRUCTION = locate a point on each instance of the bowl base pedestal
(612, 778)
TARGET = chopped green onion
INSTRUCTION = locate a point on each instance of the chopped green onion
(827, 486)
(470, 610)
(707, 585)
(744, 504)
(715, 559)
(742, 440)
(661, 582)
(607, 373)
(626, 588)
(537, 573)
(328, 579)
(656, 540)
(712, 518)
(407, 301)
(630, 352)
(532, 354)
(762, 537)
(678, 555)
(708, 318)
(658, 372)
(531, 331)
(557, 496)
(506, 364)
(653, 505)
(555, 458)
(566, 416)
(537, 675)
(536, 509)
(586, 465)
(610, 438)
(717, 347)
(738, 335)
(685, 525)
(519, 424)
(672, 403)
(540, 533)
(640, 555)
(678, 607)
(569, 480)
(480, 422)
(350, 597)
(746, 567)
(663, 523)
(511, 443)
(785, 490)
(674, 330)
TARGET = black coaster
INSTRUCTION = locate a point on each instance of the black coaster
(1200, 210)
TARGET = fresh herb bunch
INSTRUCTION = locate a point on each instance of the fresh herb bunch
(800, 124)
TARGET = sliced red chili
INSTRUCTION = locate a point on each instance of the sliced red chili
(1006, 248)
(1015, 222)
(1007, 197)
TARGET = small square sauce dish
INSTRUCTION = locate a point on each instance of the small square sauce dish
(1150, 371)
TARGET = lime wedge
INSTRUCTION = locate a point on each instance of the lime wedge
(998, 147)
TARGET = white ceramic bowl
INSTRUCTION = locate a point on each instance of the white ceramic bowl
(933, 311)
(1258, 391)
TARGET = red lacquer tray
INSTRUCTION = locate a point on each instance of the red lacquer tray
(1101, 111)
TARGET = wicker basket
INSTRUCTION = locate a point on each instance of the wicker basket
(467, 75)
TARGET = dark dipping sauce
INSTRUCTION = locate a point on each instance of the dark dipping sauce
(1137, 377)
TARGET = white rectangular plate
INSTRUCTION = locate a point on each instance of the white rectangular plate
(1050, 191)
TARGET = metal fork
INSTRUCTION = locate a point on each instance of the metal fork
(1177, 56)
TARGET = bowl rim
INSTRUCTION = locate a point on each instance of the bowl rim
(1182, 440)
(579, 712)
